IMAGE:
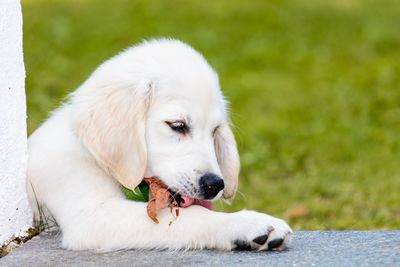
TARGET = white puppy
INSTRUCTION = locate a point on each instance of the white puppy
(154, 110)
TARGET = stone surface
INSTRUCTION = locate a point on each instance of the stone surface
(15, 213)
(307, 248)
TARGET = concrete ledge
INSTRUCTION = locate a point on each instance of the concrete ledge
(307, 248)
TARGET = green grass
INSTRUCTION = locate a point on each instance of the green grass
(314, 87)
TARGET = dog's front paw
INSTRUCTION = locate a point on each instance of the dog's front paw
(258, 231)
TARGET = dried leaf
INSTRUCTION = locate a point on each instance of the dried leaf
(159, 198)
(298, 212)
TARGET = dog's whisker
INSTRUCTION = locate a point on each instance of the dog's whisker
(241, 194)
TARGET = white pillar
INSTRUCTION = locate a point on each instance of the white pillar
(15, 213)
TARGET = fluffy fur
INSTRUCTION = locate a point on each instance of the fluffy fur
(112, 132)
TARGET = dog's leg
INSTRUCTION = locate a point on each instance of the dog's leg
(122, 224)
(93, 213)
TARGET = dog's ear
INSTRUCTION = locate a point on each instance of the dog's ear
(228, 159)
(110, 122)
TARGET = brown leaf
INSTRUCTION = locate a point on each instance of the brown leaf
(152, 210)
(297, 212)
(159, 198)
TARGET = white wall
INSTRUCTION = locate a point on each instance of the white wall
(15, 213)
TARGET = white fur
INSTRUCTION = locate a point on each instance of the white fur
(113, 132)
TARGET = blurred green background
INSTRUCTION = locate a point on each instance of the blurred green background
(314, 87)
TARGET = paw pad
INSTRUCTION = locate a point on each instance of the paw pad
(259, 243)
(276, 243)
(242, 245)
(261, 239)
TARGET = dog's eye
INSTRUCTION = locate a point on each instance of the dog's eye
(178, 126)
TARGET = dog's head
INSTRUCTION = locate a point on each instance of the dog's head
(157, 110)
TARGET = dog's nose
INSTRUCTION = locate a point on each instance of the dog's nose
(210, 185)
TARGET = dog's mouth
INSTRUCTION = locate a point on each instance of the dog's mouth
(185, 201)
